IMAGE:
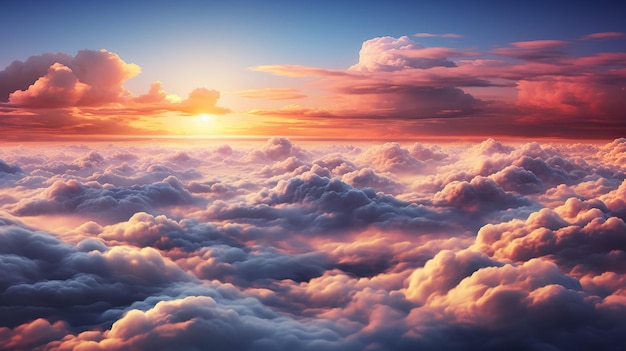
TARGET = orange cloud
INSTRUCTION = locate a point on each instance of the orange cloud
(271, 94)
(90, 78)
(58, 88)
(421, 88)
(432, 35)
(203, 100)
(85, 94)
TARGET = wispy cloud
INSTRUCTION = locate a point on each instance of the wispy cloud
(401, 79)
(604, 35)
(432, 35)
(270, 93)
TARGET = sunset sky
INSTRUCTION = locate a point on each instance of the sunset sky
(312, 176)
(368, 69)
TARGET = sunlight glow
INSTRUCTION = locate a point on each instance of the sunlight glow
(205, 117)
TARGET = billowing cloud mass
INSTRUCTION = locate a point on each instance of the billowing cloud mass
(85, 94)
(398, 87)
(523, 88)
(287, 245)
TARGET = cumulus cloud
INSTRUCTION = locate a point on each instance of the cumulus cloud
(116, 203)
(91, 78)
(390, 157)
(390, 54)
(478, 195)
(202, 100)
(58, 88)
(276, 245)
(85, 94)
(551, 90)
(20, 75)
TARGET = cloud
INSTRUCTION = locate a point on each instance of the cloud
(7, 169)
(92, 78)
(547, 88)
(202, 100)
(395, 78)
(391, 54)
(271, 94)
(53, 279)
(58, 88)
(551, 91)
(572, 96)
(604, 35)
(368, 178)
(104, 72)
(20, 75)
(75, 197)
(478, 196)
(535, 50)
(390, 157)
(431, 35)
(85, 94)
(285, 244)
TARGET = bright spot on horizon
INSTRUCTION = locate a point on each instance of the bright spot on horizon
(205, 117)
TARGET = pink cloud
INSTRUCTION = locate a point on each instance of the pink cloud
(85, 94)
(90, 78)
(105, 72)
(155, 95)
(20, 75)
(400, 79)
(58, 88)
(431, 35)
(390, 157)
(604, 35)
(574, 96)
(391, 54)
(29, 336)
(535, 50)
(539, 44)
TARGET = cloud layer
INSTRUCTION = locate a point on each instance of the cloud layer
(60, 94)
(569, 88)
(525, 88)
(282, 245)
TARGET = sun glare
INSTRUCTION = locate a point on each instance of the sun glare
(205, 117)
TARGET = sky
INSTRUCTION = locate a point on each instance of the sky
(282, 175)
(354, 69)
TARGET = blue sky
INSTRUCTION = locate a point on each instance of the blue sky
(232, 35)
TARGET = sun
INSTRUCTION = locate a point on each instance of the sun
(205, 117)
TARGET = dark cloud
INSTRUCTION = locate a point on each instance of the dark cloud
(20, 75)
(478, 196)
(48, 278)
(108, 202)
(6, 169)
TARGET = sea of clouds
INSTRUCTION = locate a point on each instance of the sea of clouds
(285, 245)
